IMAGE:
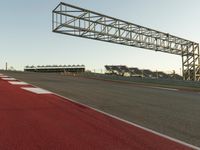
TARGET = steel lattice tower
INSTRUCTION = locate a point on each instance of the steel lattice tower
(76, 21)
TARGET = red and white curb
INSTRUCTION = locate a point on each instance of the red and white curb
(14, 81)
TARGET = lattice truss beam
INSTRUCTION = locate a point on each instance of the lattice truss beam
(76, 21)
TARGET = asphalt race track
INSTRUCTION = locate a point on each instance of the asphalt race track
(44, 121)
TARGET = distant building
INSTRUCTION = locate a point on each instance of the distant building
(56, 68)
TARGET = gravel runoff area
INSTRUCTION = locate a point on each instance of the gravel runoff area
(173, 113)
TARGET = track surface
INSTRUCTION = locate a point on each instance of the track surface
(173, 113)
(33, 121)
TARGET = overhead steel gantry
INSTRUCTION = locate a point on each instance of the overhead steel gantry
(76, 21)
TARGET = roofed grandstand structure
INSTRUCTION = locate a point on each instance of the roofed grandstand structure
(56, 68)
(123, 70)
(118, 70)
(136, 72)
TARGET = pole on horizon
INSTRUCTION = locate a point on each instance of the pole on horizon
(6, 66)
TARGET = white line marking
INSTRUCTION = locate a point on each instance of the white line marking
(18, 83)
(9, 79)
(133, 124)
(37, 90)
(162, 88)
(128, 122)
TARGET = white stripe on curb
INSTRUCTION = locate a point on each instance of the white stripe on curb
(9, 79)
(2, 76)
(18, 83)
(37, 90)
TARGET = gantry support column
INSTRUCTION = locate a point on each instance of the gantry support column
(191, 62)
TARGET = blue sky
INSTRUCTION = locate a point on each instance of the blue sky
(26, 37)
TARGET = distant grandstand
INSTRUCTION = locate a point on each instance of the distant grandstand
(135, 72)
(56, 68)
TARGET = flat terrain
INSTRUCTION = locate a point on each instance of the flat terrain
(173, 113)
